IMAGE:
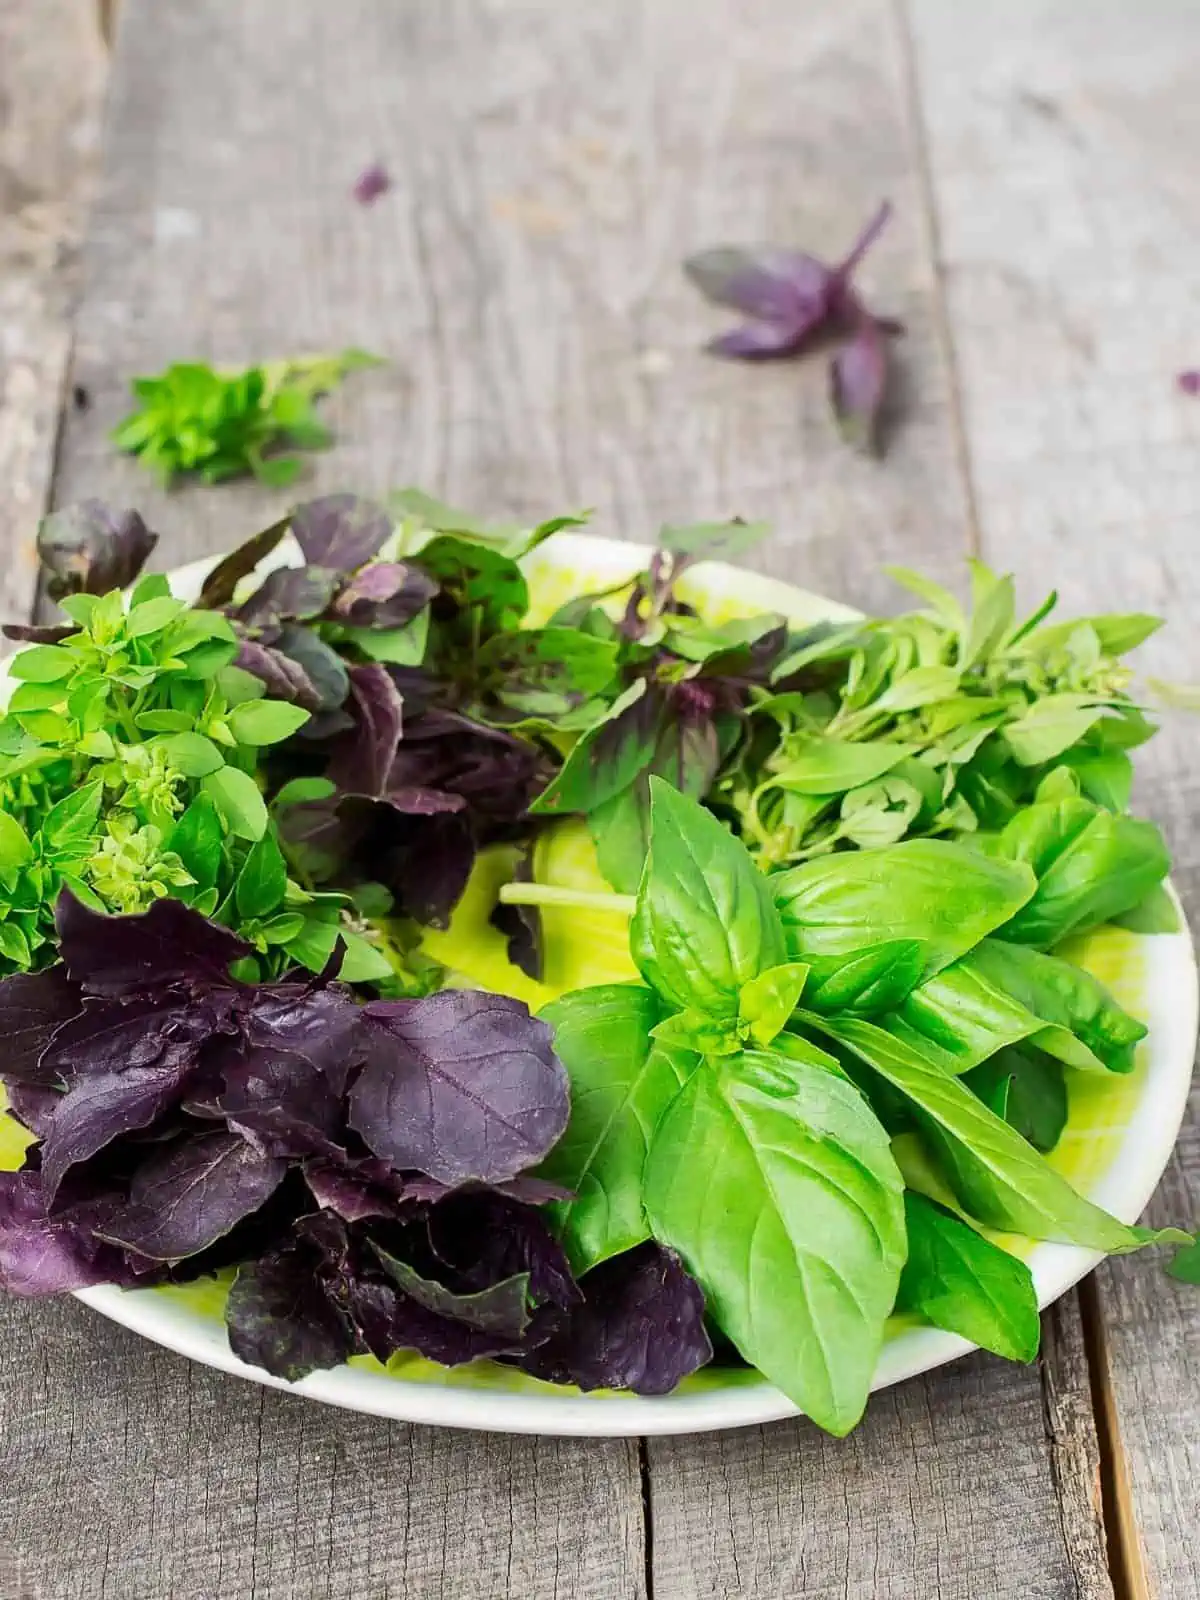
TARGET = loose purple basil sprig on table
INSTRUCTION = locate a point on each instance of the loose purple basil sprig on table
(794, 301)
(363, 1167)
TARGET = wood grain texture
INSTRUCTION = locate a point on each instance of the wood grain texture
(1062, 146)
(551, 167)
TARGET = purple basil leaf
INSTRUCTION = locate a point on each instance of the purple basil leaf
(362, 760)
(184, 1199)
(279, 1317)
(324, 669)
(371, 182)
(428, 870)
(416, 802)
(760, 341)
(640, 1327)
(1189, 383)
(779, 286)
(289, 594)
(316, 1020)
(33, 1105)
(281, 1103)
(281, 677)
(858, 382)
(341, 531)
(40, 1254)
(38, 632)
(460, 1085)
(221, 584)
(497, 774)
(486, 1236)
(101, 1107)
(170, 943)
(501, 1310)
(110, 1036)
(33, 1006)
(385, 595)
(346, 1192)
(89, 548)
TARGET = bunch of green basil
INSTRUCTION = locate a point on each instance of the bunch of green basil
(745, 1104)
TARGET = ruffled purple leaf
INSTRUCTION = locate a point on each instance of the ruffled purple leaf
(101, 1107)
(427, 865)
(119, 956)
(346, 1191)
(462, 1085)
(33, 1105)
(279, 1317)
(186, 1198)
(858, 377)
(41, 1254)
(89, 549)
(33, 1006)
(341, 531)
(325, 670)
(484, 1236)
(388, 594)
(281, 1103)
(281, 676)
(501, 1310)
(318, 1021)
(640, 1326)
(221, 584)
(362, 760)
(496, 774)
(107, 1036)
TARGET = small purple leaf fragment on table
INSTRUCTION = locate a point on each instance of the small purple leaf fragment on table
(858, 376)
(1189, 381)
(371, 182)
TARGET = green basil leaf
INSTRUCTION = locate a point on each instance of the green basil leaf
(621, 1083)
(1028, 1089)
(609, 756)
(1050, 727)
(944, 896)
(1185, 1264)
(152, 616)
(303, 791)
(1105, 776)
(259, 722)
(192, 754)
(787, 1206)
(821, 765)
(73, 820)
(261, 883)
(1090, 867)
(922, 686)
(402, 647)
(236, 796)
(42, 663)
(766, 1003)
(999, 1177)
(1157, 913)
(876, 978)
(197, 840)
(705, 924)
(363, 961)
(693, 1031)
(962, 1282)
(15, 848)
(993, 611)
(14, 947)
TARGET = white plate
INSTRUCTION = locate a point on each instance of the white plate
(1118, 1142)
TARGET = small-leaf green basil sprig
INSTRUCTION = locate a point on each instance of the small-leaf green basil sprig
(706, 1114)
(128, 758)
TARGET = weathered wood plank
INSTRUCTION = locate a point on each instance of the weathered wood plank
(551, 167)
(1062, 141)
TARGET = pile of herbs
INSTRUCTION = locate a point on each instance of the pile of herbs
(847, 854)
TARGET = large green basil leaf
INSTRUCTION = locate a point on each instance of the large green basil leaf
(823, 766)
(870, 980)
(775, 1182)
(944, 896)
(1000, 994)
(999, 1177)
(1027, 1088)
(1090, 865)
(705, 922)
(962, 1282)
(621, 1083)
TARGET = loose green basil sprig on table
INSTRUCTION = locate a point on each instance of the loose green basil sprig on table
(739, 1104)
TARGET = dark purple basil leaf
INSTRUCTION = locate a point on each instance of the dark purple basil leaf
(289, 594)
(221, 584)
(281, 677)
(413, 802)
(484, 1236)
(502, 1309)
(111, 1036)
(319, 1021)
(524, 1187)
(281, 1103)
(858, 377)
(497, 774)
(101, 1107)
(33, 1006)
(279, 1317)
(38, 632)
(388, 594)
(640, 1327)
(33, 1105)
(778, 286)
(427, 869)
(343, 1190)
(1189, 383)
(324, 669)
(610, 755)
(170, 943)
(89, 548)
(320, 836)
(40, 1254)
(371, 182)
(191, 1194)
(461, 1085)
(341, 531)
(760, 341)
(522, 926)
(361, 761)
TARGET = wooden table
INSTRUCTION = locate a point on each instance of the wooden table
(552, 164)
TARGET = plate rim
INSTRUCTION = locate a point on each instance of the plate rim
(1148, 1141)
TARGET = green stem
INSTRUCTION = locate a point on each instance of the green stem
(548, 894)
